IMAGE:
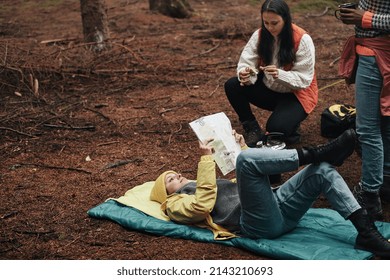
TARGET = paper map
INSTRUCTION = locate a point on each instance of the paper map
(218, 127)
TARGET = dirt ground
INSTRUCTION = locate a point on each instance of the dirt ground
(101, 124)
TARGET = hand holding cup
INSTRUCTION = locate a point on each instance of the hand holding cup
(352, 6)
(350, 15)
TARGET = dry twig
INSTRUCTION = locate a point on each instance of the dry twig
(16, 131)
(5, 216)
(121, 162)
(334, 61)
(55, 167)
(88, 127)
(212, 49)
(107, 143)
(319, 15)
(33, 232)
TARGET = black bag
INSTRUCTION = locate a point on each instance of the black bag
(336, 119)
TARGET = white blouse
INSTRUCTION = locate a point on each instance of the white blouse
(299, 77)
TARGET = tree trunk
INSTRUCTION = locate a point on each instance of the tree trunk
(95, 23)
(171, 8)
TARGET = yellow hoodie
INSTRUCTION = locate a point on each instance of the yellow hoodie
(195, 208)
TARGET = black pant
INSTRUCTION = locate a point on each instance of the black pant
(287, 111)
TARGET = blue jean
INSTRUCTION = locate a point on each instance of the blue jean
(372, 128)
(268, 213)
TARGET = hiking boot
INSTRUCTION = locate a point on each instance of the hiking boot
(253, 133)
(293, 138)
(370, 201)
(384, 192)
(333, 152)
(369, 238)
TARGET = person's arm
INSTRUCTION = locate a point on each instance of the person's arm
(302, 73)
(248, 62)
(365, 19)
(195, 208)
(376, 21)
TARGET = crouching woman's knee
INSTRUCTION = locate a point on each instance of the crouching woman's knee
(232, 86)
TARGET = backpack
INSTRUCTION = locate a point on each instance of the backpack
(336, 119)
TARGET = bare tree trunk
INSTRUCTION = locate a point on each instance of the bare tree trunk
(172, 8)
(95, 23)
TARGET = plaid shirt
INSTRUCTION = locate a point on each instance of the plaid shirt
(380, 20)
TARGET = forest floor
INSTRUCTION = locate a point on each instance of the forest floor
(100, 124)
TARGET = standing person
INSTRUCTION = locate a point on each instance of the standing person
(251, 208)
(372, 94)
(275, 72)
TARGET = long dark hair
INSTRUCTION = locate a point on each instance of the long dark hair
(286, 53)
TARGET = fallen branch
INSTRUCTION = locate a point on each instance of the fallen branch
(5, 216)
(33, 232)
(137, 57)
(186, 84)
(331, 85)
(161, 167)
(78, 46)
(73, 241)
(334, 61)
(108, 143)
(216, 88)
(99, 113)
(163, 110)
(120, 163)
(88, 127)
(55, 167)
(319, 15)
(154, 131)
(57, 40)
(16, 131)
(212, 49)
(132, 178)
(170, 136)
(328, 78)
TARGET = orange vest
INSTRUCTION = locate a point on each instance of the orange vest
(308, 97)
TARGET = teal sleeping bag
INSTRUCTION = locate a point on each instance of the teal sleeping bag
(322, 234)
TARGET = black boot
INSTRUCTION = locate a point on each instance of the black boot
(369, 238)
(293, 138)
(275, 178)
(384, 192)
(333, 152)
(370, 201)
(253, 133)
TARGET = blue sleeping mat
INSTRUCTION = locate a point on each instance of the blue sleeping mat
(322, 234)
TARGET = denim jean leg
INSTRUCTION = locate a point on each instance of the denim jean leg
(297, 195)
(386, 144)
(260, 215)
(368, 122)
